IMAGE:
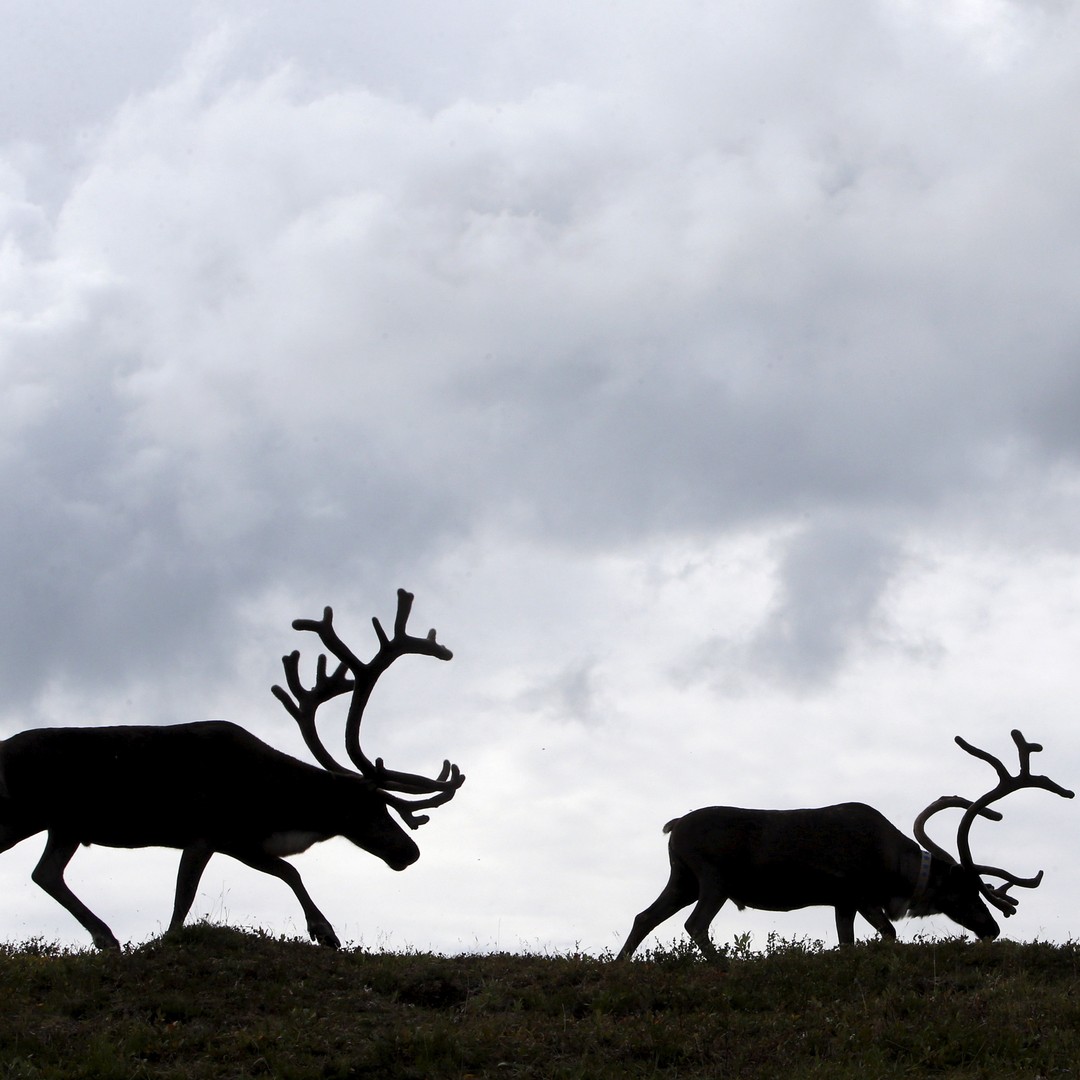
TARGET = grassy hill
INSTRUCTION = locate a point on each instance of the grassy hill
(217, 1002)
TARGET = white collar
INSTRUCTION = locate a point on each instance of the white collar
(924, 880)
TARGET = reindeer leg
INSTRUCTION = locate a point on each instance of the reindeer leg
(318, 925)
(711, 899)
(680, 890)
(877, 918)
(845, 925)
(49, 874)
(192, 864)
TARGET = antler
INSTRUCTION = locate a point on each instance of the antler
(307, 702)
(1006, 783)
(944, 803)
(355, 677)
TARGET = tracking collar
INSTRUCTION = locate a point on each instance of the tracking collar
(924, 880)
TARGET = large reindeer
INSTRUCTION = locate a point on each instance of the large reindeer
(214, 787)
(848, 857)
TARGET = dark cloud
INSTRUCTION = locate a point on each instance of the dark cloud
(513, 313)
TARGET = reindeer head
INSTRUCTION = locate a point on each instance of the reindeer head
(961, 887)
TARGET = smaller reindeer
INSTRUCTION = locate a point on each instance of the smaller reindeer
(848, 857)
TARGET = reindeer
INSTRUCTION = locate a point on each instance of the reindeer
(848, 857)
(212, 787)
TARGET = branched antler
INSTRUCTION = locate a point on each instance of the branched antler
(357, 678)
(307, 702)
(946, 802)
(1006, 784)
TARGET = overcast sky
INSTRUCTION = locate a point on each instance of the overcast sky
(710, 372)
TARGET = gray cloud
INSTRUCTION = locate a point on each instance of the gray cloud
(518, 312)
(688, 365)
(567, 695)
(831, 582)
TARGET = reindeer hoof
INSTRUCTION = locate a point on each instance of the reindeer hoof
(323, 933)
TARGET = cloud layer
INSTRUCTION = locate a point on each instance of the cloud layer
(687, 364)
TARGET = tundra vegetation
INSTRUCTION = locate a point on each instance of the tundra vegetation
(208, 1001)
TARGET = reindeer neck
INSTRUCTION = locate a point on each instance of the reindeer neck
(923, 879)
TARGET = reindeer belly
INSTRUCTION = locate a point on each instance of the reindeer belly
(783, 886)
(290, 841)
